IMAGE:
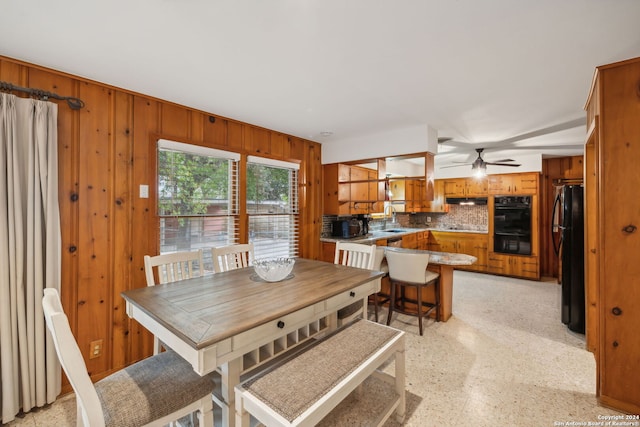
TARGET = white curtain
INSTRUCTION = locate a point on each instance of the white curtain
(29, 252)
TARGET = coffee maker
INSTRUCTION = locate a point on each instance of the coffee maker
(364, 218)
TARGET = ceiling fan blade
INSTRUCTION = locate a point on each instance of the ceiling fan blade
(454, 166)
(502, 164)
(503, 161)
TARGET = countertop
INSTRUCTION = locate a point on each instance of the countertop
(398, 232)
(443, 258)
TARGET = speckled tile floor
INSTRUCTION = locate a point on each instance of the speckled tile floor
(503, 359)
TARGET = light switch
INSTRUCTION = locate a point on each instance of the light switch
(144, 191)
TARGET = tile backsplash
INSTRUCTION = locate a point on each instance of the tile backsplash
(459, 217)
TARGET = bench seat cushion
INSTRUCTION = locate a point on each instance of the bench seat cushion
(319, 368)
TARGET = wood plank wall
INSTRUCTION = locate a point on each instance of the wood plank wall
(106, 150)
(552, 169)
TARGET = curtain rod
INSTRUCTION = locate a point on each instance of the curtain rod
(74, 103)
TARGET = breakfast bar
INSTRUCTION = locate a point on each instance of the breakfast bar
(442, 263)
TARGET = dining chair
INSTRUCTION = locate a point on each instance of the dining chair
(172, 267)
(354, 255)
(230, 257)
(409, 269)
(152, 392)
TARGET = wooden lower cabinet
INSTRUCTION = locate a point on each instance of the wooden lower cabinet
(514, 265)
(474, 244)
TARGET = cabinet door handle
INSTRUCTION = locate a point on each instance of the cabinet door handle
(617, 311)
(280, 324)
(352, 294)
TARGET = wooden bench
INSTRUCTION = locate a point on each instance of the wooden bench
(302, 390)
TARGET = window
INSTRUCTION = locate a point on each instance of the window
(197, 197)
(272, 207)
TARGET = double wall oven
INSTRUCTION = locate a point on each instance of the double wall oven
(512, 225)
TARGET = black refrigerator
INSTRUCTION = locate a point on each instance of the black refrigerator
(568, 210)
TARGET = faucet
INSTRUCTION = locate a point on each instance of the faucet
(393, 214)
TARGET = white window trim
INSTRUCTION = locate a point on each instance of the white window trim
(197, 149)
(272, 162)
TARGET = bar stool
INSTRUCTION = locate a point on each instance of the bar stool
(410, 269)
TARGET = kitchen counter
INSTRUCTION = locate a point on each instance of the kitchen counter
(398, 232)
(443, 258)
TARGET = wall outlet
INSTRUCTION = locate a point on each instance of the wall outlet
(428, 219)
(96, 349)
(144, 191)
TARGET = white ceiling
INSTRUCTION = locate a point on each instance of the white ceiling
(477, 71)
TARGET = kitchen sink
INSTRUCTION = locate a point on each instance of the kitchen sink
(393, 231)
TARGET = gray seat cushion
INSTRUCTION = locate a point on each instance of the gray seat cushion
(151, 389)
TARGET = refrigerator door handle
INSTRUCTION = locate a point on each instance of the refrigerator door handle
(557, 242)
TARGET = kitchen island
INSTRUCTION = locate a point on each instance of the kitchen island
(441, 263)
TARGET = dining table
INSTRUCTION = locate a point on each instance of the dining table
(234, 322)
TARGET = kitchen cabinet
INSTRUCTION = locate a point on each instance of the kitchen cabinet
(422, 240)
(410, 241)
(517, 183)
(474, 244)
(514, 265)
(438, 204)
(465, 187)
(350, 190)
(612, 232)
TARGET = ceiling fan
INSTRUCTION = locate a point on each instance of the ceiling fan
(479, 165)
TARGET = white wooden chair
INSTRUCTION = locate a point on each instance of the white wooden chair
(230, 257)
(172, 268)
(360, 256)
(153, 392)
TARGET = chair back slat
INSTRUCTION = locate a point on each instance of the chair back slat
(355, 255)
(231, 257)
(173, 267)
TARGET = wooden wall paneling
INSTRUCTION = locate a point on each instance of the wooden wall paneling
(94, 225)
(277, 142)
(619, 270)
(123, 193)
(314, 199)
(106, 151)
(143, 214)
(174, 121)
(592, 246)
(234, 135)
(196, 126)
(214, 132)
(256, 140)
(14, 73)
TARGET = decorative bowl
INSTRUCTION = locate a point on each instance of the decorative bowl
(273, 269)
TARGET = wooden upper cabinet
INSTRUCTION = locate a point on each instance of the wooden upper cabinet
(454, 187)
(476, 187)
(521, 183)
(465, 187)
(438, 204)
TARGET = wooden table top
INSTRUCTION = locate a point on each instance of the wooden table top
(205, 310)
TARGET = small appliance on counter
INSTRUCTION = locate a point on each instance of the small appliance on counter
(346, 228)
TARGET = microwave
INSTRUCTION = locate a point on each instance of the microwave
(346, 228)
